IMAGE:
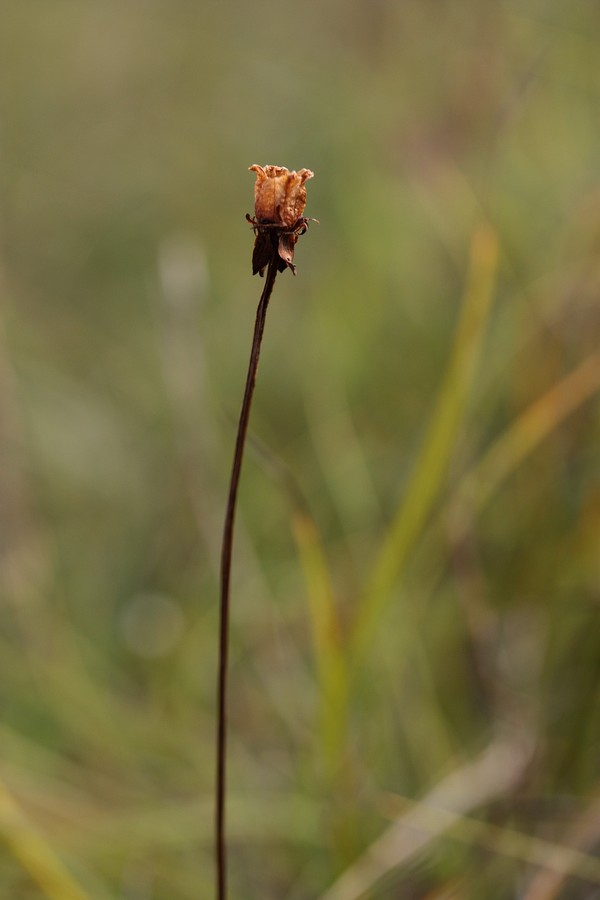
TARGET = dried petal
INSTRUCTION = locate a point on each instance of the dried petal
(263, 252)
(279, 195)
(287, 242)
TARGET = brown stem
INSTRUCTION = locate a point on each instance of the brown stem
(220, 837)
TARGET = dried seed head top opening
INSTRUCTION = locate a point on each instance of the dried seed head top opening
(279, 195)
(279, 201)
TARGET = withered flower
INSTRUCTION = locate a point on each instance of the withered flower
(279, 201)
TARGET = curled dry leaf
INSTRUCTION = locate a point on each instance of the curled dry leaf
(279, 201)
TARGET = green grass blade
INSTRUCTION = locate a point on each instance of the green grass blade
(439, 441)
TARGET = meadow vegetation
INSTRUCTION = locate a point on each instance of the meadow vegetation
(415, 659)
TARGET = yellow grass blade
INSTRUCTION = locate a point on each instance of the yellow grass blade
(524, 435)
(34, 853)
(327, 636)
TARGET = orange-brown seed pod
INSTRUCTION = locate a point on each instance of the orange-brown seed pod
(279, 201)
(279, 195)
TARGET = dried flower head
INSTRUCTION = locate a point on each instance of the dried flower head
(279, 201)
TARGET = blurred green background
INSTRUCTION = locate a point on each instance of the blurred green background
(417, 558)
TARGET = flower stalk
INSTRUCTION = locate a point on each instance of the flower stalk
(279, 201)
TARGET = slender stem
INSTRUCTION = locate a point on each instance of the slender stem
(220, 837)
